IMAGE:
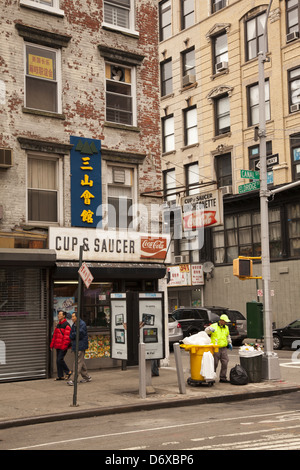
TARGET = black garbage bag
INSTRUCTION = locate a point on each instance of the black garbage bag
(238, 375)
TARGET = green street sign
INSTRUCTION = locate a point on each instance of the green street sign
(244, 188)
(250, 174)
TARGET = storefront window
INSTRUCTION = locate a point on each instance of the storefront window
(95, 304)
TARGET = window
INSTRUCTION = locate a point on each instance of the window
(165, 18)
(222, 115)
(220, 52)
(42, 78)
(187, 13)
(188, 62)
(120, 95)
(119, 13)
(254, 36)
(292, 16)
(169, 185)
(192, 179)
(166, 77)
(217, 5)
(293, 213)
(295, 151)
(254, 160)
(190, 126)
(43, 188)
(120, 196)
(168, 142)
(253, 103)
(51, 6)
(240, 236)
(294, 89)
(223, 170)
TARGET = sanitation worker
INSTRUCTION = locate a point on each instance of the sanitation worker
(219, 333)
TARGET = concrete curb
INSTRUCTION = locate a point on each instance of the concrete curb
(102, 411)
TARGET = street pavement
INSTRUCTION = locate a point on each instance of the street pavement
(115, 390)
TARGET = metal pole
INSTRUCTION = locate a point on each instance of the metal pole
(77, 328)
(270, 359)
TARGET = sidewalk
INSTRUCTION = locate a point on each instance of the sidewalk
(117, 391)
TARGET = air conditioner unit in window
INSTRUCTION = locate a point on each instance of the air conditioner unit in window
(182, 259)
(5, 158)
(226, 190)
(219, 5)
(292, 36)
(295, 107)
(188, 80)
(220, 66)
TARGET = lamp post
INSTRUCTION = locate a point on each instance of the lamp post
(271, 369)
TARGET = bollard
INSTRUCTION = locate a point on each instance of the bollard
(179, 368)
(142, 370)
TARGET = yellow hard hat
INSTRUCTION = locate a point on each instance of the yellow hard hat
(225, 318)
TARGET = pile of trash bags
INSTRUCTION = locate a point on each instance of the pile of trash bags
(199, 339)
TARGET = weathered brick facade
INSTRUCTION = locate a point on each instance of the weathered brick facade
(81, 38)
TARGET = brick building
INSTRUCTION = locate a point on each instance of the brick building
(79, 145)
(209, 112)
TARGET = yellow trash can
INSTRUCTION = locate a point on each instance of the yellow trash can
(196, 354)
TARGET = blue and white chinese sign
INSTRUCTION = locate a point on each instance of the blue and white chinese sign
(86, 193)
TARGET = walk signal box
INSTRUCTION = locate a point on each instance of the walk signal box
(242, 268)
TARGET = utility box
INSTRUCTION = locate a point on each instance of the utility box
(255, 322)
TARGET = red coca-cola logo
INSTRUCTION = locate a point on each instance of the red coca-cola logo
(203, 219)
(153, 247)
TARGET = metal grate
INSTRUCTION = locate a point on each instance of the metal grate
(23, 324)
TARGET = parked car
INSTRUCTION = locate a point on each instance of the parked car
(175, 330)
(238, 325)
(194, 319)
(287, 336)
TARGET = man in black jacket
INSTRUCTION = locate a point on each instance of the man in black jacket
(82, 346)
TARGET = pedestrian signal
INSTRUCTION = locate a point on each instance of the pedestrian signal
(242, 268)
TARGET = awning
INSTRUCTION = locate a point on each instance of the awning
(27, 257)
(69, 270)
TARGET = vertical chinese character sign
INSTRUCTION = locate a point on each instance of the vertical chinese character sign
(86, 194)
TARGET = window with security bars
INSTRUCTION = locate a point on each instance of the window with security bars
(119, 94)
(117, 13)
(21, 293)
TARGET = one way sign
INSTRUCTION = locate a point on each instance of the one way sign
(85, 275)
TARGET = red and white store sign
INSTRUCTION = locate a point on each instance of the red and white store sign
(107, 245)
(202, 210)
(154, 248)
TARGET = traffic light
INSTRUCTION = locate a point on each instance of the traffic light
(242, 268)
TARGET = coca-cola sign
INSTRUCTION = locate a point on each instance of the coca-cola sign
(153, 247)
(202, 210)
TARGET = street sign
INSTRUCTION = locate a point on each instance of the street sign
(250, 174)
(85, 275)
(244, 188)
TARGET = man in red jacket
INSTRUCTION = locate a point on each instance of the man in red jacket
(61, 342)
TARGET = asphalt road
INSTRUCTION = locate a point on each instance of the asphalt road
(259, 424)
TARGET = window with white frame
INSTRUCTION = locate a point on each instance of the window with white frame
(43, 183)
(192, 178)
(119, 14)
(169, 185)
(168, 142)
(51, 6)
(220, 45)
(190, 126)
(292, 16)
(120, 94)
(294, 89)
(222, 115)
(120, 196)
(42, 78)
(253, 103)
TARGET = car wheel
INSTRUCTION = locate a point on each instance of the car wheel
(277, 343)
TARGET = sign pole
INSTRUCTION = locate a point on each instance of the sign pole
(77, 328)
(271, 363)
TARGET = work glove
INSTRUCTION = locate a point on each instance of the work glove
(211, 329)
(229, 346)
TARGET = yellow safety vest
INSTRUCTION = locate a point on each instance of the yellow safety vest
(219, 336)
